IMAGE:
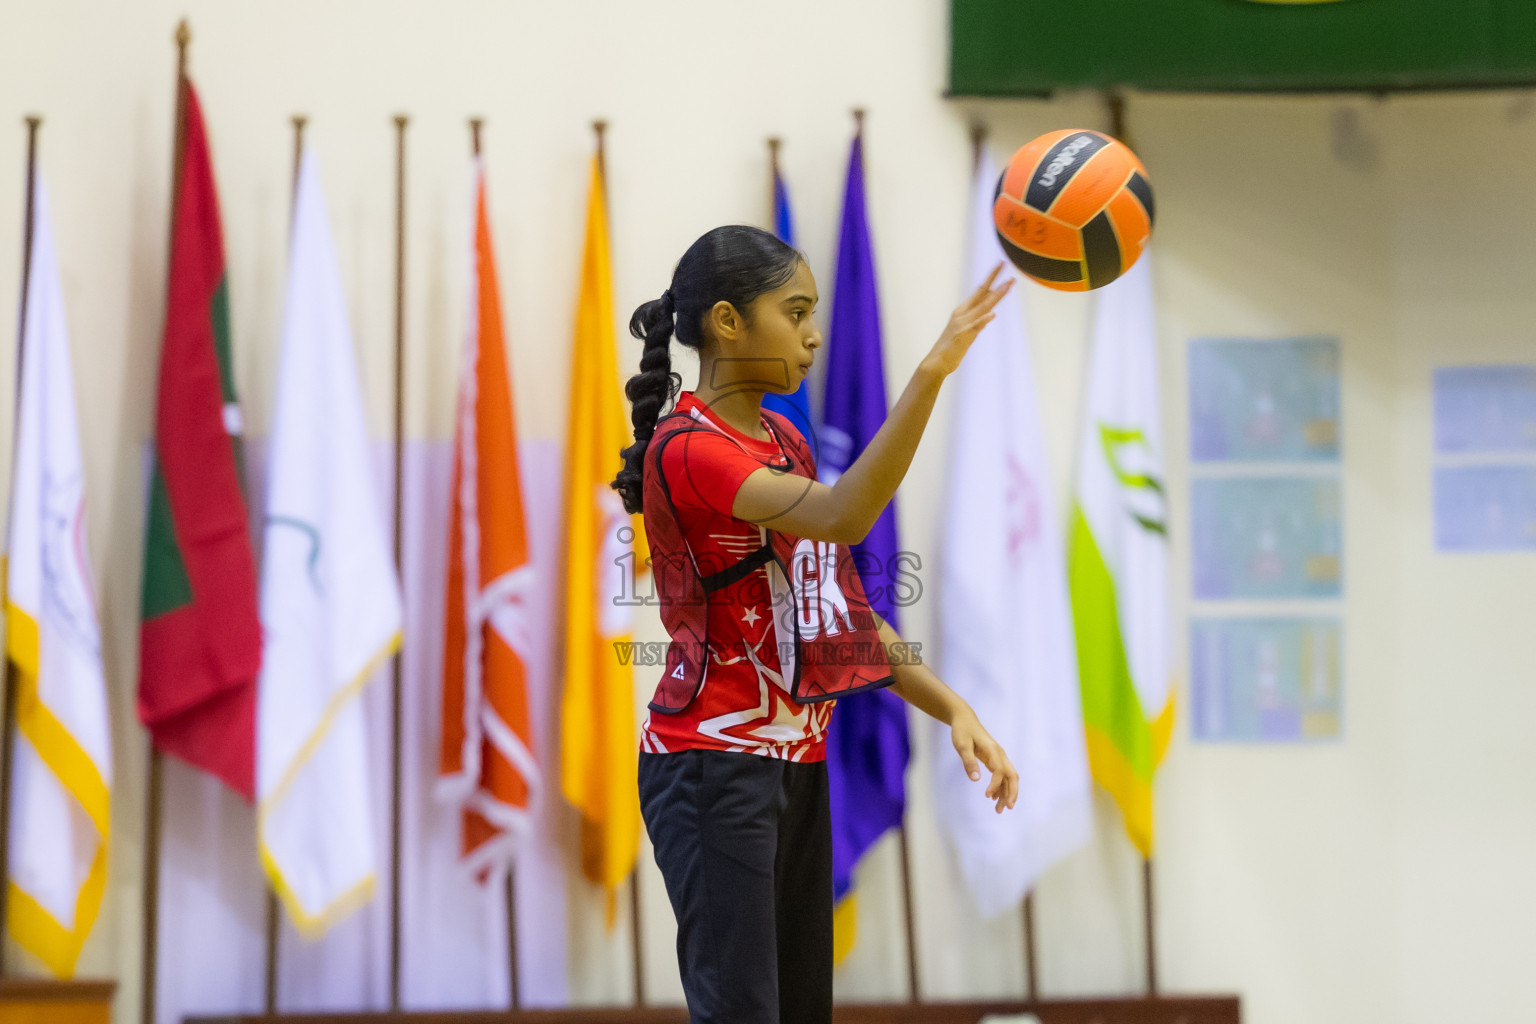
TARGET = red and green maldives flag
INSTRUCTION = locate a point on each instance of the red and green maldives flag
(200, 641)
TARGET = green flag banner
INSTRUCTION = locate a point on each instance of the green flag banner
(1031, 47)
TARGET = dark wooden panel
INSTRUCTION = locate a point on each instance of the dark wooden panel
(39, 989)
(1026, 47)
(27, 1001)
(1173, 1010)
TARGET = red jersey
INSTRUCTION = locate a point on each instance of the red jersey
(745, 704)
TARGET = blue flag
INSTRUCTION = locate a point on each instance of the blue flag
(783, 220)
(795, 407)
(867, 742)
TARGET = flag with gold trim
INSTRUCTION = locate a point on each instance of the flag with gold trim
(330, 597)
(61, 779)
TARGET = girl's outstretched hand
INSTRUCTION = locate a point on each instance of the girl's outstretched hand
(978, 749)
(965, 323)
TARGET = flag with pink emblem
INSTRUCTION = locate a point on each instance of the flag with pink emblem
(1005, 629)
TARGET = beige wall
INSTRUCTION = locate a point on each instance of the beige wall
(1381, 878)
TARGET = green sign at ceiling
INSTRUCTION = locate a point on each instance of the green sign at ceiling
(1029, 47)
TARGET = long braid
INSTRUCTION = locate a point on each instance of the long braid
(649, 391)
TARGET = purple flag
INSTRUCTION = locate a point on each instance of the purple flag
(867, 743)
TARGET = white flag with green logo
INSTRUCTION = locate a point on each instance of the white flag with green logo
(1118, 555)
(330, 599)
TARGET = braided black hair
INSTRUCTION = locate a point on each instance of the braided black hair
(734, 264)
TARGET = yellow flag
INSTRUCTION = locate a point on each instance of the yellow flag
(605, 551)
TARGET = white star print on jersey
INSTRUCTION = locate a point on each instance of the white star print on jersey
(775, 725)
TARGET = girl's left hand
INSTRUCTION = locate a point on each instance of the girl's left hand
(977, 748)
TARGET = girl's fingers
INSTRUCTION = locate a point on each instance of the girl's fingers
(974, 311)
(985, 296)
(986, 309)
(977, 322)
(997, 294)
(986, 286)
(998, 789)
(968, 757)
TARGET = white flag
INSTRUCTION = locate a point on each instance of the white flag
(1004, 621)
(330, 598)
(1118, 560)
(62, 763)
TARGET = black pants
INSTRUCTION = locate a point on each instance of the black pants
(745, 845)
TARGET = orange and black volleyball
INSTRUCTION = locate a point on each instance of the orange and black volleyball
(1074, 209)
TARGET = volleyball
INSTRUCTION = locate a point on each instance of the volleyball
(1073, 209)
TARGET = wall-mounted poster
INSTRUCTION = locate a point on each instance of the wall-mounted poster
(1485, 507)
(1264, 401)
(1485, 458)
(1265, 679)
(1485, 410)
(1267, 529)
(1267, 537)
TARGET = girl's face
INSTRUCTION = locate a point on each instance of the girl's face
(783, 332)
(774, 344)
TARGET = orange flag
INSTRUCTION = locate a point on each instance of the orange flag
(488, 765)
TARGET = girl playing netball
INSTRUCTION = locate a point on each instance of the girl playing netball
(768, 620)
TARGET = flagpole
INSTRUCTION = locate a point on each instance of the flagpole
(33, 124)
(915, 993)
(510, 896)
(299, 121)
(156, 783)
(1114, 100)
(773, 180)
(397, 662)
(8, 720)
(1146, 888)
(1031, 984)
(635, 935)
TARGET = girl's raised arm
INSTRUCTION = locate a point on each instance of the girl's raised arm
(845, 512)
